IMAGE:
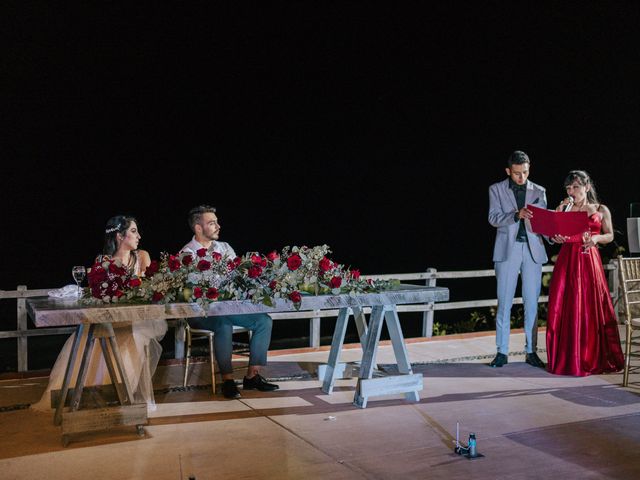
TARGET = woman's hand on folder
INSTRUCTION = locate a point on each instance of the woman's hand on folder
(559, 239)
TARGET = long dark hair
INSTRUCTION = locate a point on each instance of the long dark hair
(583, 179)
(118, 224)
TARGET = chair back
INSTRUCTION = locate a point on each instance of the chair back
(629, 269)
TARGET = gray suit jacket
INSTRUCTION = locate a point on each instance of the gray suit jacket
(502, 210)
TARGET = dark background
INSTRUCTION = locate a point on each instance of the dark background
(376, 130)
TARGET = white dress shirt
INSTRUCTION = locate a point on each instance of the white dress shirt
(223, 248)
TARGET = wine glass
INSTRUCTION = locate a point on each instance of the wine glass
(586, 236)
(78, 272)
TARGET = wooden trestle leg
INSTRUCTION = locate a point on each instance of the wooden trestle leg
(94, 419)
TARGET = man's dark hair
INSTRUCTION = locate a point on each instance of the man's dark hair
(195, 214)
(518, 158)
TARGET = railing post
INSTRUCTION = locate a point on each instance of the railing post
(23, 364)
(427, 316)
(314, 331)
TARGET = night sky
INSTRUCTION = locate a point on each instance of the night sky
(376, 130)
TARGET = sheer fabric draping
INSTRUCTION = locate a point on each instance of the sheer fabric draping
(140, 348)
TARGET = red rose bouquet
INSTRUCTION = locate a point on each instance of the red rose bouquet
(109, 280)
(206, 277)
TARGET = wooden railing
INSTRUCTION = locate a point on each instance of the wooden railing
(429, 277)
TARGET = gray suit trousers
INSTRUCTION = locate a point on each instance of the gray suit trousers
(518, 262)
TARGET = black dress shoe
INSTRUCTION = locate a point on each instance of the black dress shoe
(258, 382)
(230, 389)
(533, 360)
(500, 360)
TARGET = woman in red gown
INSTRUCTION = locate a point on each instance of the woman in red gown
(582, 331)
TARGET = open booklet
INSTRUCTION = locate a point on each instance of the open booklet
(550, 222)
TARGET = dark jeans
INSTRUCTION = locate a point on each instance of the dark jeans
(259, 324)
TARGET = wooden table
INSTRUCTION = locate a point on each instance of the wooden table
(99, 320)
(383, 307)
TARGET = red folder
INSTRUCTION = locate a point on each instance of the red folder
(550, 223)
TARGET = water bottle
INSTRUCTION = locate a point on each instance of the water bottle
(472, 445)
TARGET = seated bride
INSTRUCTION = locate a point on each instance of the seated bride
(138, 342)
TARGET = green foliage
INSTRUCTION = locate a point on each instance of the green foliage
(439, 329)
(485, 320)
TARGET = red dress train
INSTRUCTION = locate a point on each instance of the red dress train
(582, 331)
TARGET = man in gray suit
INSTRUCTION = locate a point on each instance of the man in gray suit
(517, 250)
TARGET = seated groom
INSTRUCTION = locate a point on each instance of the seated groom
(206, 231)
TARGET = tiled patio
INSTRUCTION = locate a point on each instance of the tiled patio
(529, 424)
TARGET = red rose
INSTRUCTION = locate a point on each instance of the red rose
(116, 270)
(273, 284)
(212, 293)
(294, 262)
(157, 296)
(134, 282)
(204, 265)
(273, 256)
(258, 260)
(355, 274)
(197, 292)
(97, 275)
(118, 293)
(233, 264)
(325, 264)
(216, 256)
(174, 263)
(152, 269)
(254, 271)
(202, 252)
(295, 297)
(335, 282)
(187, 260)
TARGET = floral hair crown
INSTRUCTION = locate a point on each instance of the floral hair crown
(113, 229)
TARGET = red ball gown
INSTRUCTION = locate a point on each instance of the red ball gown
(582, 331)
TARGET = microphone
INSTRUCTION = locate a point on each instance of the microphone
(569, 204)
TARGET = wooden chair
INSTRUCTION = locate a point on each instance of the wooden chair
(630, 285)
(192, 334)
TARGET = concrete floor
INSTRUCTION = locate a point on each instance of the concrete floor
(529, 424)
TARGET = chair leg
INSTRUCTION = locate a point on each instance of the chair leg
(187, 358)
(213, 365)
(627, 357)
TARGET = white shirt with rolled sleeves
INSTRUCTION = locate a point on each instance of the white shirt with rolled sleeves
(223, 248)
